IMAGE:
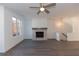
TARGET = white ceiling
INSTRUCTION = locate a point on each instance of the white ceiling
(59, 9)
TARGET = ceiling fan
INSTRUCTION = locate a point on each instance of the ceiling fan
(43, 8)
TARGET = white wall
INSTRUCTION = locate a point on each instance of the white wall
(11, 41)
(51, 34)
(39, 22)
(27, 28)
(74, 21)
(1, 29)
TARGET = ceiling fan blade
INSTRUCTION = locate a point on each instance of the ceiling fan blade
(34, 7)
(50, 5)
(38, 12)
(47, 11)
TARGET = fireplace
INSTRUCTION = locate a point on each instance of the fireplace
(39, 34)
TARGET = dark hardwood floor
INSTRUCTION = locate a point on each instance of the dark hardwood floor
(44, 48)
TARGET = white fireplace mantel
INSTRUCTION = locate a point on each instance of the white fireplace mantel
(34, 30)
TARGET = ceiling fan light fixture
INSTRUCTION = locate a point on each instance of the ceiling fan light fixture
(42, 9)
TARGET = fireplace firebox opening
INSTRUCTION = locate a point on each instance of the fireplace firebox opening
(39, 34)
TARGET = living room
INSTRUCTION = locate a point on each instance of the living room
(25, 28)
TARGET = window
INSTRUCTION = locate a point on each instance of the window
(16, 26)
(19, 26)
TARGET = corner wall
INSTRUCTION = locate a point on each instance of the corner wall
(1, 29)
(11, 41)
